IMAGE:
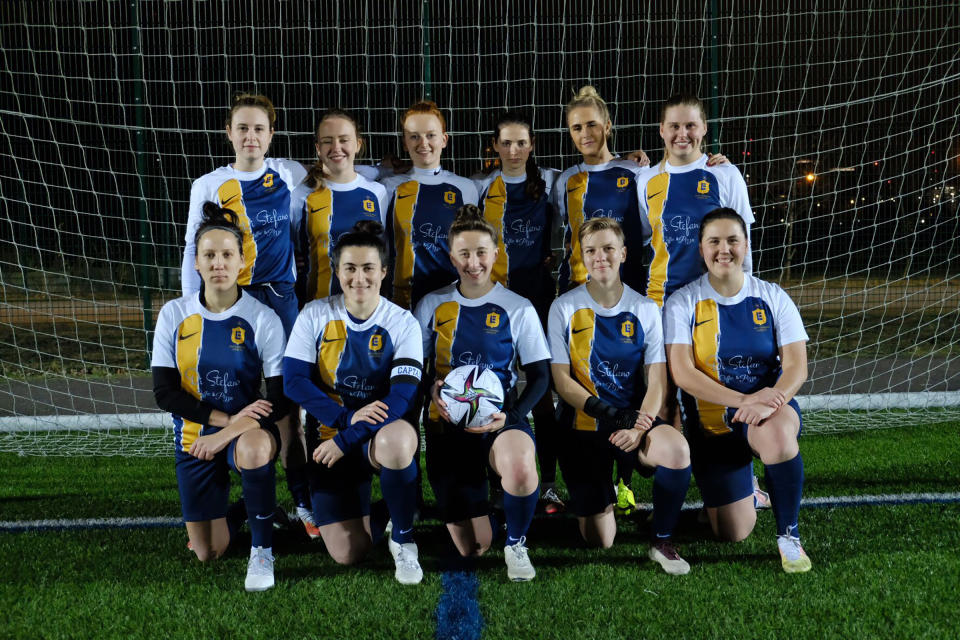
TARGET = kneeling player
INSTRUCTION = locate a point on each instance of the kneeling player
(353, 362)
(477, 322)
(604, 336)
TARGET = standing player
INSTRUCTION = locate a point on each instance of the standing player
(423, 203)
(675, 195)
(516, 200)
(354, 362)
(609, 370)
(476, 321)
(332, 199)
(211, 350)
(737, 349)
(258, 190)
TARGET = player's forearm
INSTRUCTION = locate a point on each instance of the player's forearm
(567, 388)
(656, 393)
(697, 383)
(793, 374)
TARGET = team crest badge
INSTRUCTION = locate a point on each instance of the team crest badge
(759, 317)
(450, 197)
(376, 342)
(703, 187)
(368, 206)
(493, 319)
(238, 335)
(268, 180)
(622, 182)
(627, 328)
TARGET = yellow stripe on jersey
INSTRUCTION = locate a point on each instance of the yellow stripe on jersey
(405, 202)
(582, 328)
(189, 340)
(494, 206)
(445, 319)
(333, 342)
(706, 343)
(576, 195)
(319, 213)
(230, 195)
(656, 196)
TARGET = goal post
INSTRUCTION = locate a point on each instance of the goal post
(844, 121)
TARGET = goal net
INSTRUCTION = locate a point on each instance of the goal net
(843, 117)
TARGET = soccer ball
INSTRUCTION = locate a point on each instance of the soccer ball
(472, 394)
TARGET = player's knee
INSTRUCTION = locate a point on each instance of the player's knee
(208, 554)
(395, 447)
(346, 556)
(677, 455)
(254, 449)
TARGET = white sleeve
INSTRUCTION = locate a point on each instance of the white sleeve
(164, 347)
(367, 171)
(383, 197)
(653, 351)
(409, 347)
(424, 317)
(738, 198)
(528, 337)
(557, 325)
(470, 195)
(786, 319)
(677, 314)
(189, 278)
(270, 343)
(302, 343)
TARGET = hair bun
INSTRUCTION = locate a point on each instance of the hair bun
(468, 213)
(368, 226)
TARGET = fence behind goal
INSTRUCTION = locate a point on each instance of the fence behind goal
(844, 122)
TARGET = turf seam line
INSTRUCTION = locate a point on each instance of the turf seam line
(66, 524)
(458, 612)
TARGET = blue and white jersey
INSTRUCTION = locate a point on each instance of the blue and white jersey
(320, 216)
(494, 332)
(222, 357)
(606, 349)
(674, 201)
(587, 191)
(356, 361)
(423, 204)
(736, 341)
(524, 225)
(261, 200)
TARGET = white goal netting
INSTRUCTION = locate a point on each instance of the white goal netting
(844, 117)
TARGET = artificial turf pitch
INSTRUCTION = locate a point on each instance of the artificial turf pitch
(879, 570)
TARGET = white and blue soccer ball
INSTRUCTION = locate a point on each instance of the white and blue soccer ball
(472, 395)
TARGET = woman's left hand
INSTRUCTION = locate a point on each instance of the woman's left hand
(327, 453)
(715, 159)
(641, 158)
(626, 439)
(206, 447)
(499, 419)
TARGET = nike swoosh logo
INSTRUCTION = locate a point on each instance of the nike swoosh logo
(579, 330)
(267, 517)
(405, 531)
(572, 190)
(654, 195)
(333, 339)
(409, 195)
(228, 200)
(320, 209)
(703, 322)
(440, 324)
(185, 337)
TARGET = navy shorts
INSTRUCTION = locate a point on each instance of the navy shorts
(341, 492)
(586, 462)
(279, 296)
(457, 463)
(723, 465)
(205, 484)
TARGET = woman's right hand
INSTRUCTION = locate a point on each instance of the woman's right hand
(438, 401)
(374, 413)
(255, 410)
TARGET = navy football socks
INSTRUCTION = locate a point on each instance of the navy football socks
(399, 488)
(669, 489)
(519, 512)
(260, 496)
(785, 482)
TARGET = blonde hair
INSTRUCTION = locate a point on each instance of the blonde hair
(241, 100)
(588, 97)
(315, 175)
(594, 225)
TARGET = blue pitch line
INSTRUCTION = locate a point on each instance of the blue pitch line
(64, 524)
(458, 612)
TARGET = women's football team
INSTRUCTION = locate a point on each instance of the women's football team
(283, 271)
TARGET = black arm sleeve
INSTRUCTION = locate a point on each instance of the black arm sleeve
(171, 397)
(280, 403)
(538, 380)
